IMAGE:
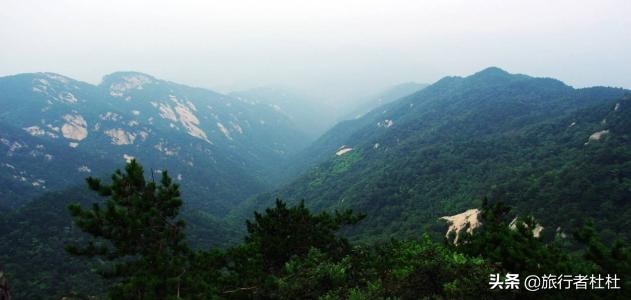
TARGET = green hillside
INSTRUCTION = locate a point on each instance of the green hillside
(522, 140)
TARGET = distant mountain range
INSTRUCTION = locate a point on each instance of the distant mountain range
(559, 153)
(384, 97)
(54, 131)
(437, 150)
(309, 116)
(313, 116)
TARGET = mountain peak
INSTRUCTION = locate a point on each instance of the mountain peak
(127, 76)
(492, 72)
(120, 83)
(48, 76)
(56, 76)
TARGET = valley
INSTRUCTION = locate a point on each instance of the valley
(550, 151)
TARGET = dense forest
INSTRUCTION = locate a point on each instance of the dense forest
(378, 150)
(547, 167)
(558, 153)
(128, 241)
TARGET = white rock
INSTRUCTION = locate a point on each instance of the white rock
(596, 136)
(37, 131)
(343, 151)
(75, 128)
(225, 131)
(468, 219)
(190, 122)
(57, 77)
(68, 98)
(536, 232)
(236, 127)
(167, 113)
(110, 116)
(386, 123)
(127, 158)
(143, 135)
(34, 131)
(120, 136)
(84, 169)
(130, 82)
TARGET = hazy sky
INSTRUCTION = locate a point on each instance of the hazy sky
(334, 49)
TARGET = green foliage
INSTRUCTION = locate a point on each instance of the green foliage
(138, 219)
(516, 138)
(523, 140)
(344, 162)
(33, 238)
(283, 232)
(32, 254)
(395, 270)
(137, 231)
(275, 237)
(313, 276)
(292, 253)
(515, 248)
(413, 269)
(425, 267)
(608, 260)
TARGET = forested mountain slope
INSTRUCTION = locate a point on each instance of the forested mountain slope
(557, 152)
(55, 131)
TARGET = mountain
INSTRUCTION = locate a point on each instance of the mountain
(309, 115)
(55, 131)
(384, 97)
(321, 148)
(559, 153)
(315, 117)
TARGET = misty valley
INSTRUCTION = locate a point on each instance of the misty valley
(142, 188)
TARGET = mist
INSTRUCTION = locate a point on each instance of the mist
(332, 51)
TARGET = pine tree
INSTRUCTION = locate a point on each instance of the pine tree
(275, 237)
(283, 232)
(137, 232)
(615, 259)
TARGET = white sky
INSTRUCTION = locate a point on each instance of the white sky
(333, 49)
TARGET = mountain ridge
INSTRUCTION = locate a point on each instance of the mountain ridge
(458, 129)
(165, 124)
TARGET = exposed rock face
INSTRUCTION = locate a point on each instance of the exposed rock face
(213, 136)
(5, 291)
(536, 232)
(75, 128)
(470, 220)
(467, 220)
(343, 150)
(596, 136)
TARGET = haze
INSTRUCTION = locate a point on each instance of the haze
(332, 50)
